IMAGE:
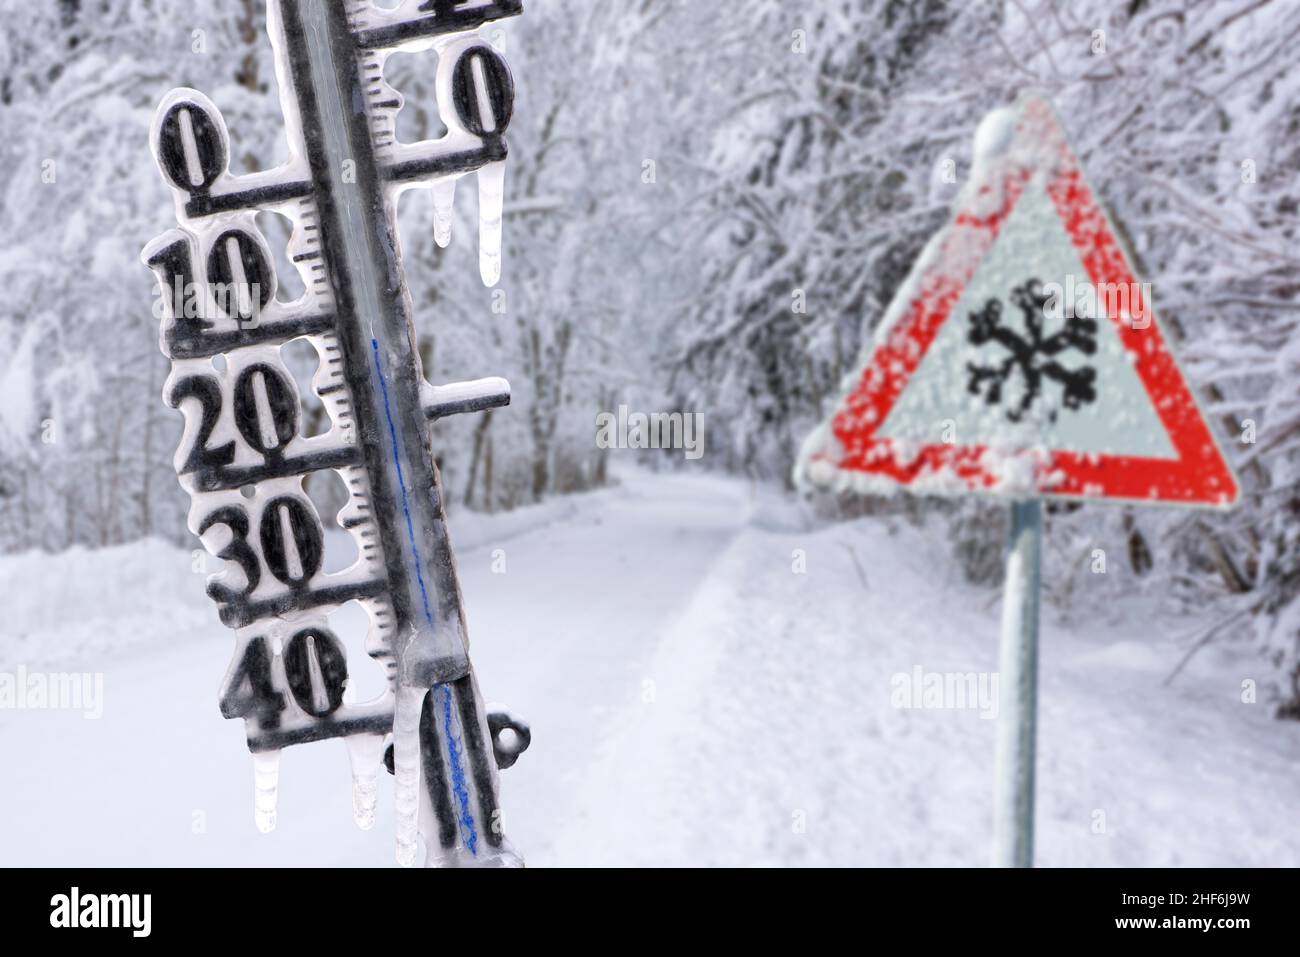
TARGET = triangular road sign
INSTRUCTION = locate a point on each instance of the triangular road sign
(1021, 356)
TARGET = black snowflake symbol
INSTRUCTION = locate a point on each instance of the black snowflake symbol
(1031, 354)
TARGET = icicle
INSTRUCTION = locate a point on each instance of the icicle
(365, 754)
(444, 198)
(406, 772)
(266, 789)
(491, 197)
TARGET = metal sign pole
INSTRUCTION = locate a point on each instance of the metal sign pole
(1013, 796)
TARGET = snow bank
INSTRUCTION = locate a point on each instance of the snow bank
(709, 681)
(77, 607)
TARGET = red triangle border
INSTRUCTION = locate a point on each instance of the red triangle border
(1200, 475)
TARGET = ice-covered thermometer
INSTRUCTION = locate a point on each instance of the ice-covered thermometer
(243, 457)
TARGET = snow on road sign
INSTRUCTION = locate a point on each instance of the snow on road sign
(1021, 356)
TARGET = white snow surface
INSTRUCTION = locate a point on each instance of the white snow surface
(693, 700)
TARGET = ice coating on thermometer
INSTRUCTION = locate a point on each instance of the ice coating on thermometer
(406, 773)
(243, 457)
(365, 755)
(491, 198)
(266, 785)
(444, 199)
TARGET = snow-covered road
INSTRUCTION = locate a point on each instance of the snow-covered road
(708, 681)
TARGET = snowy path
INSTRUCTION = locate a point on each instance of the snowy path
(693, 699)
